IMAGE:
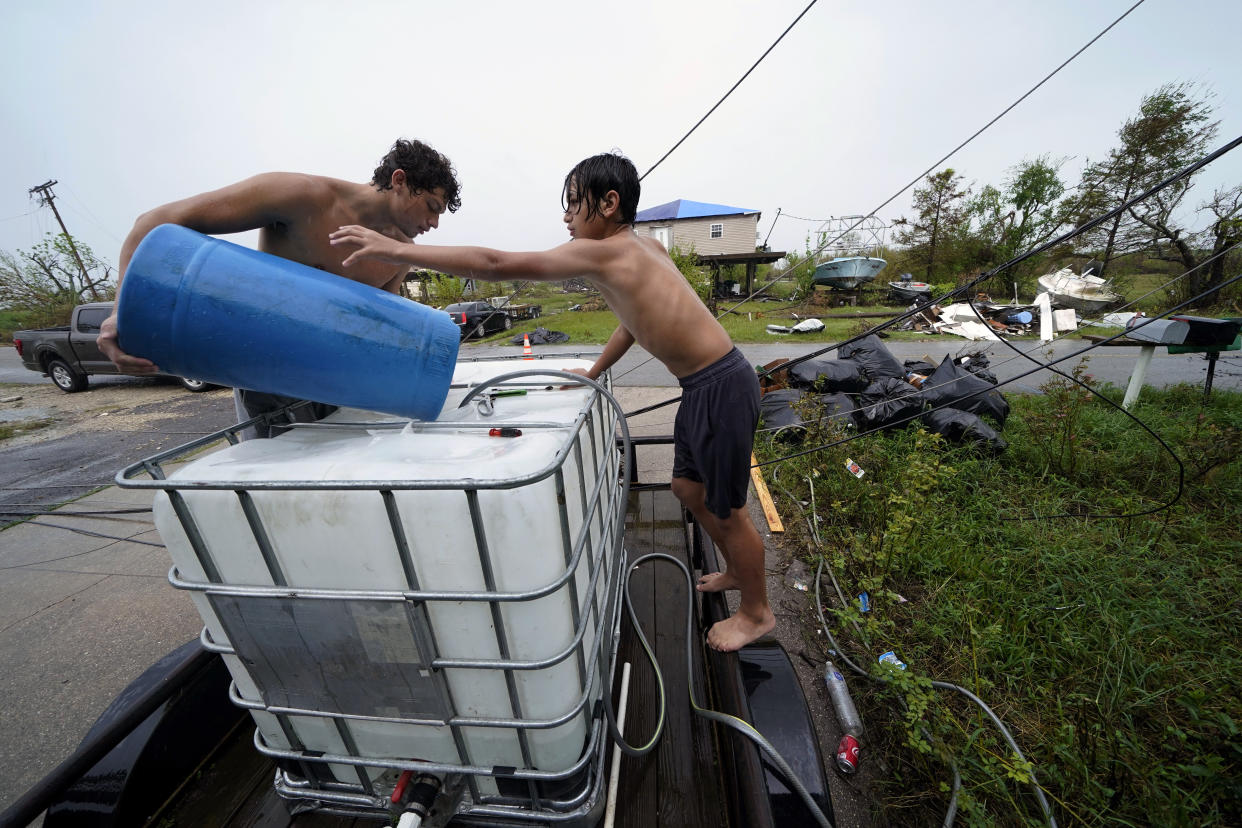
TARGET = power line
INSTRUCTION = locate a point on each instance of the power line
(730, 92)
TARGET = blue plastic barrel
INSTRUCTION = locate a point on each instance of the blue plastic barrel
(212, 310)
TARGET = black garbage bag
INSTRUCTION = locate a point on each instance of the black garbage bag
(785, 411)
(777, 410)
(838, 406)
(541, 336)
(919, 366)
(964, 428)
(829, 375)
(877, 361)
(977, 364)
(888, 402)
(952, 385)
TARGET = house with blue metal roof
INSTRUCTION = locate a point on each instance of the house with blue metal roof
(711, 228)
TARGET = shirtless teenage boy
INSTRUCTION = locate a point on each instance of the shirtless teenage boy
(410, 189)
(658, 309)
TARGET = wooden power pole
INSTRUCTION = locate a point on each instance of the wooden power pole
(49, 198)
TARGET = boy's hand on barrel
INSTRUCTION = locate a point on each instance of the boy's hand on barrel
(371, 245)
(127, 364)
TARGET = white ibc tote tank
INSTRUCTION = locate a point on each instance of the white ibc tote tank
(344, 670)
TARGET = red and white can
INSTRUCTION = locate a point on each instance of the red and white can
(847, 754)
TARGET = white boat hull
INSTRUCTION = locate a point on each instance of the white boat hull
(849, 272)
(1082, 293)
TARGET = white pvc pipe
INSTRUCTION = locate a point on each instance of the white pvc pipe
(610, 814)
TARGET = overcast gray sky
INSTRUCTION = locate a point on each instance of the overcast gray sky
(131, 104)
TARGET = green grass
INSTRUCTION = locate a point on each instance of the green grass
(746, 323)
(15, 429)
(1110, 646)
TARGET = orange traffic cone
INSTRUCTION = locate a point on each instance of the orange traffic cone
(526, 351)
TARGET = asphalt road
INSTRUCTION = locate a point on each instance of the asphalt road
(37, 472)
(637, 368)
(1111, 364)
(59, 469)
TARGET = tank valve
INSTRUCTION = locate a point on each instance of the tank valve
(417, 793)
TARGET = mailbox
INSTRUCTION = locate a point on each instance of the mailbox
(1183, 335)
(1209, 333)
(1159, 331)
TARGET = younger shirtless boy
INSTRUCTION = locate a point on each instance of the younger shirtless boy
(658, 309)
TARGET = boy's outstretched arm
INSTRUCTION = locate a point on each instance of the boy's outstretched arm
(247, 205)
(568, 261)
(617, 345)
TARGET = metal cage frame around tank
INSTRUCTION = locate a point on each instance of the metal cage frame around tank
(603, 507)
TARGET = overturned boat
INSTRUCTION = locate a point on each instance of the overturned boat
(1086, 293)
(847, 272)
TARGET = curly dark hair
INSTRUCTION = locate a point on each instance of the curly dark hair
(425, 169)
(595, 176)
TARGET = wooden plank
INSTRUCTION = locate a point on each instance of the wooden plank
(765, 497)
(224, 789)
(638, 795)
(678, 784)
(678, 756)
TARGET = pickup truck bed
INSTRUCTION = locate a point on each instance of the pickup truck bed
(172, 750)
(699, 775)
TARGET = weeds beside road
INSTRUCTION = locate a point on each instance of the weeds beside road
(1110, 646)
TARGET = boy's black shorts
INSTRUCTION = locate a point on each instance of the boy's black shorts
(715, 430)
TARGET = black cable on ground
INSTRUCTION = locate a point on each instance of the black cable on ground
(34, 510)
(81, 531)
(941, 685)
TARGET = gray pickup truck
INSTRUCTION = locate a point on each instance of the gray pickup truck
(68, 353)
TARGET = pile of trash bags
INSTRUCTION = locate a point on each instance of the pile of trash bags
(541, 336)
(868, 388)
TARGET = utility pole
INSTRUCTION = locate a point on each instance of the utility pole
(48, 198)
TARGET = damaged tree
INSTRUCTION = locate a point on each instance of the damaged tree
(45, 283)
(1172, 130)
(941, 219)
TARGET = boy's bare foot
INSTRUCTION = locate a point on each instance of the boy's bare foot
(738, 630)
(717, 582)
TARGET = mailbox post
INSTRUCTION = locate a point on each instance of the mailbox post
(1181, 335)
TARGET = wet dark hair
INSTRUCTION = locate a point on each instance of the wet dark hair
(595, 176)
(425, 169)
